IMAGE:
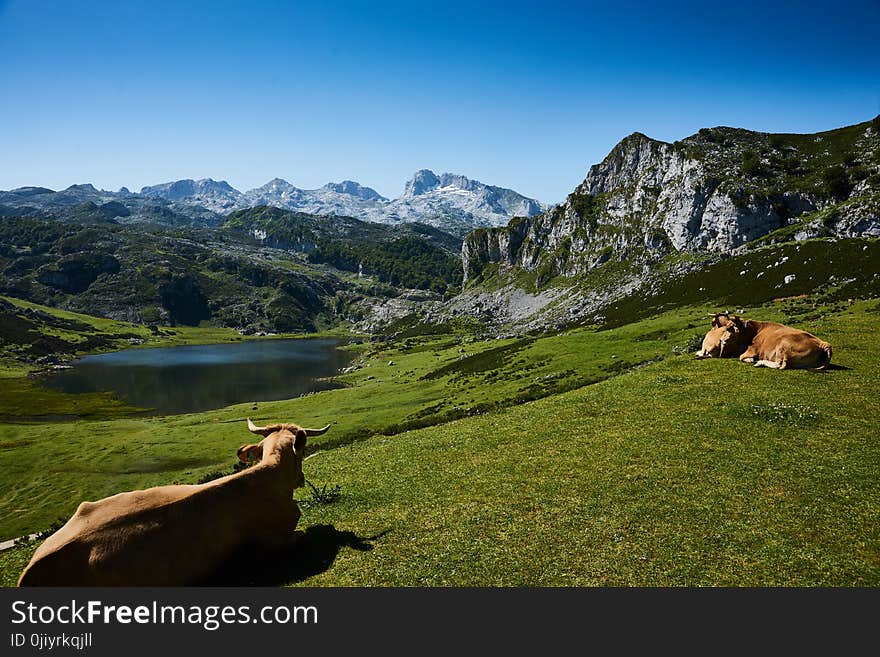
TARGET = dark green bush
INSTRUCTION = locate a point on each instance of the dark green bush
(751, 164)
(837, 183)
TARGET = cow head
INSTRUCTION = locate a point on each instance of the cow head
(285, 443)
(726, 338)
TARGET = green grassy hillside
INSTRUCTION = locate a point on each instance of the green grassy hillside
(808, 276)
(423, 381)
(666, 471)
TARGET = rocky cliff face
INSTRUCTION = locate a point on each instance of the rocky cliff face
(712, 192)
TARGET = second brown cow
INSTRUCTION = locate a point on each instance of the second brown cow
(764, 344)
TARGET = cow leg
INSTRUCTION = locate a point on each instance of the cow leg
(749, 356)
(769, 363)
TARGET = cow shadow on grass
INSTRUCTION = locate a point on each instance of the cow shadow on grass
(313, 554)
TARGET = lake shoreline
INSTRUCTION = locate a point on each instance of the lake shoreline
(22, 374)
(195, 378)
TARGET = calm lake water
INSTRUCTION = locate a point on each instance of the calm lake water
(202, 377)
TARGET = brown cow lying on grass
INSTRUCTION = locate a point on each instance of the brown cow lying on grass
(175, 535)
(765, 344)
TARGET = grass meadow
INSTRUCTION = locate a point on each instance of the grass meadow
(589, 457)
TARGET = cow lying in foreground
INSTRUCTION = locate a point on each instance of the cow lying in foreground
(175, 535)
(765, 344)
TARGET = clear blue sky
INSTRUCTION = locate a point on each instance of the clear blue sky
(523, 95)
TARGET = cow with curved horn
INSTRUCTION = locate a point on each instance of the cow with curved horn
(179, 534)
(764, 344)
(723, 339)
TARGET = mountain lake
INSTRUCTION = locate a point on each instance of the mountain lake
(193, 378)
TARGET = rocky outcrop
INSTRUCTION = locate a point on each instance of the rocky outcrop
(712, 193)
(457, 204)
(217, 196)
(75, 273)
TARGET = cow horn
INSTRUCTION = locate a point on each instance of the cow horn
(265, 431)
(262, 431)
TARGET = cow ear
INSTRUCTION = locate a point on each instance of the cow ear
(299, 443)
(249, 451)
(720, 319)
(737, 324)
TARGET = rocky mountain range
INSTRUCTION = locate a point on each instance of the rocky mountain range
(87, 204)
(713, 192)
(450, 202)
(650, 214)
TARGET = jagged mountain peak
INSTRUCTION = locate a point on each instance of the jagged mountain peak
(353, 188)
(422, 181)
(215, 195)
(188, 187)
(274, 184)
(636, 137)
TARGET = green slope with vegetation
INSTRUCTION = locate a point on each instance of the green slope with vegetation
(833, 270)
(324, 270)
(826, 164)
(634, 464)
(681, 473)
(409, 255)
(422, 381)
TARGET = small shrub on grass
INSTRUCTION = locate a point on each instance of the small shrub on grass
(323, 495)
